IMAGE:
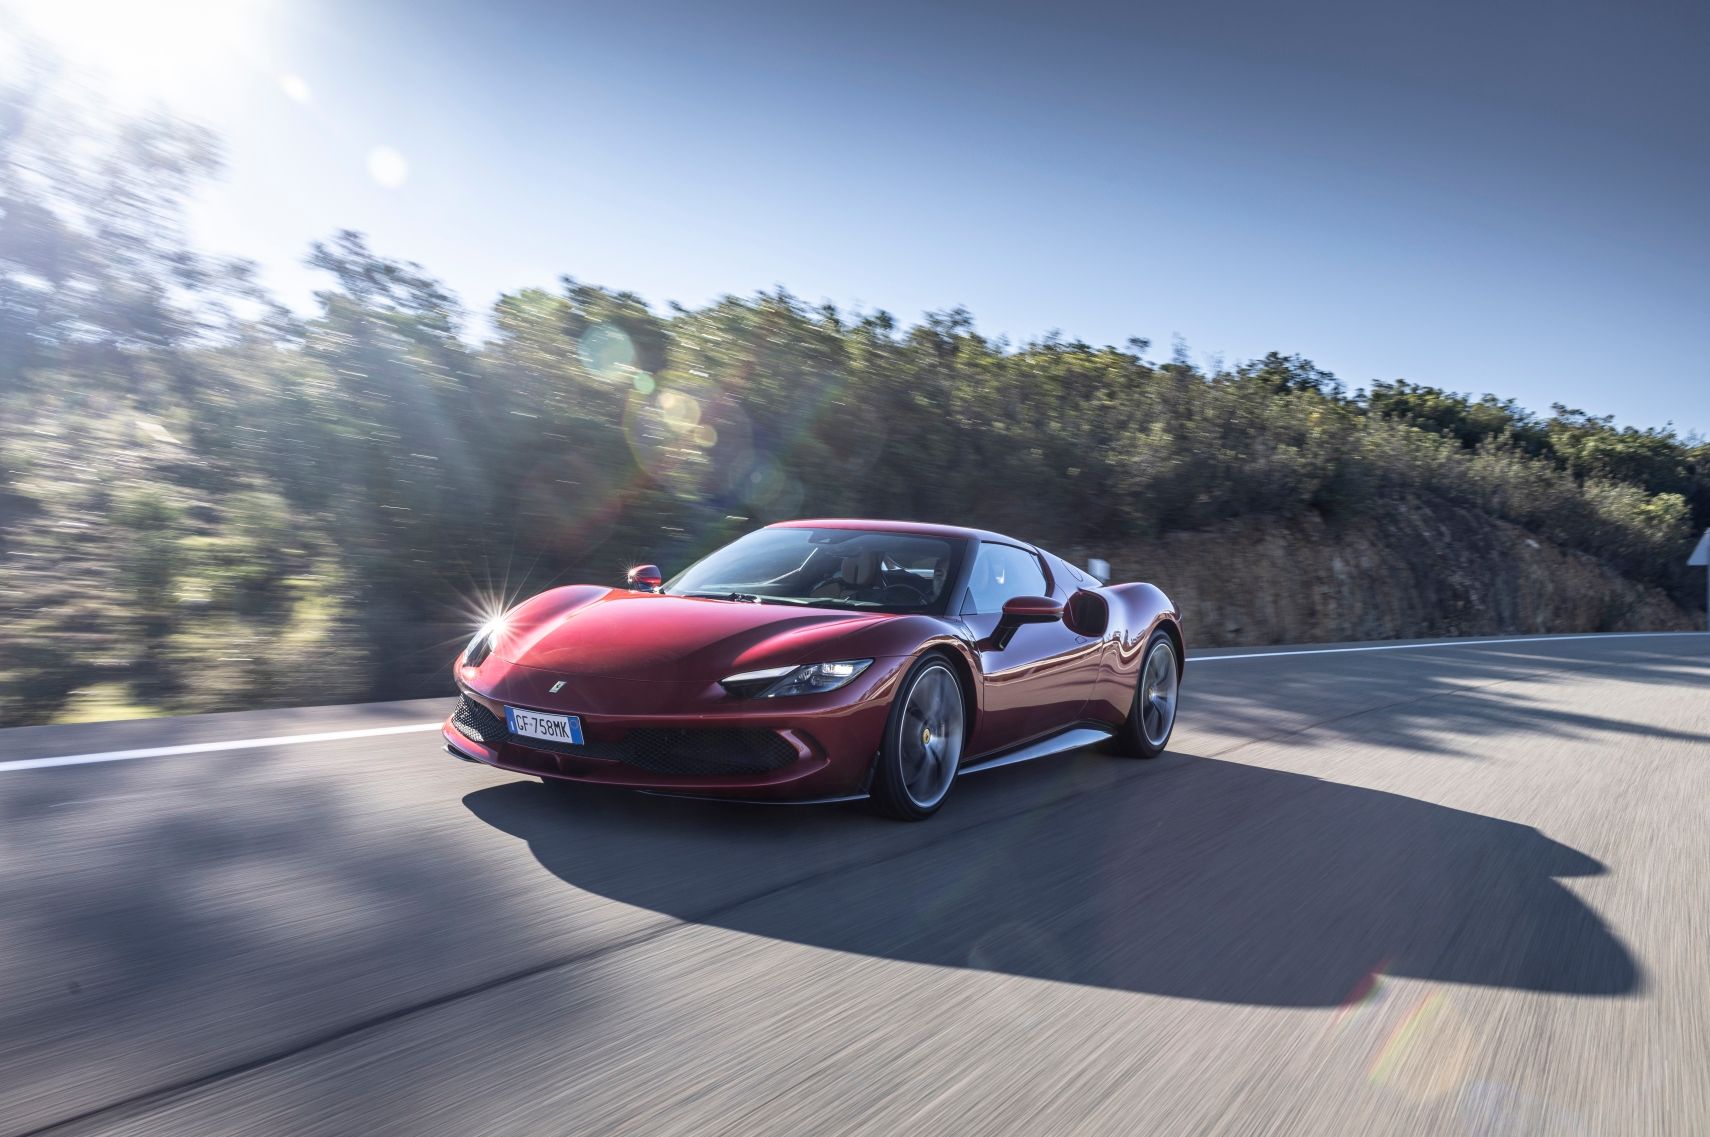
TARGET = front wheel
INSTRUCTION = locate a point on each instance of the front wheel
(1146, 732)
(923, 740)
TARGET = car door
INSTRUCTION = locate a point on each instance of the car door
(1037, 682)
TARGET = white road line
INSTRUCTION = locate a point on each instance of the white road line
(211, 747)
(1198, 659)
(417, 727)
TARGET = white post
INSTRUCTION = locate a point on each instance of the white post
(1701, 556)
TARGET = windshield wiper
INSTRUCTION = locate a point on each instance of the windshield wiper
(739, 597)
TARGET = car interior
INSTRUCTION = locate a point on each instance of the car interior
(873, 574)
(834, 566)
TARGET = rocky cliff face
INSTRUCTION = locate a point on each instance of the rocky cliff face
(1430, 570)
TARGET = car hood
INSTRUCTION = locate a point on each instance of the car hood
(621, 634)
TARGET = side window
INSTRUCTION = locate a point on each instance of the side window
(1000, 572)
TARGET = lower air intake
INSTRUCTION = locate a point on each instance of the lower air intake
(682, 753)
(690, 752)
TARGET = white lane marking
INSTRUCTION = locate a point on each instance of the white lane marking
(211, 747)
(1441, 644)
(412, 728)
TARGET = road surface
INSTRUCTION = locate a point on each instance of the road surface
(1450, 889)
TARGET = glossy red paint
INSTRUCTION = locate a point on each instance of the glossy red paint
(1032, 609)
(625, 660)
(619, 634)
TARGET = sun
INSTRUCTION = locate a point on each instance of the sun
(172, 51)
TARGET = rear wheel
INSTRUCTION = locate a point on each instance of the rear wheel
(1146, 732)
(923, 740)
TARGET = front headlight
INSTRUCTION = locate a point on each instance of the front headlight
(807, 679)
(480, 644)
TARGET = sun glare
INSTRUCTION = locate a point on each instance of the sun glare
(169, 50)
(388, 167)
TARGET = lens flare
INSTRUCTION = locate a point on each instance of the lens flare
(691, 438)
(607, 351)
(388, 167)
(770, 491)
(680, 410)
(1428, 1053)
(1367, 993)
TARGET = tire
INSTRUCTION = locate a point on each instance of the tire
(923, 741)
(1157, 691)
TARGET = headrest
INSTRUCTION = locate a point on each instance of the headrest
(861, 570)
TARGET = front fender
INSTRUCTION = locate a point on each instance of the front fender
(1137, 612)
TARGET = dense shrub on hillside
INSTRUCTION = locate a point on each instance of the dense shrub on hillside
(217, 503)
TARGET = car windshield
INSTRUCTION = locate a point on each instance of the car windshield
(832, 568)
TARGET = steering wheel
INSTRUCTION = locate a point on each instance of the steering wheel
(898, 592)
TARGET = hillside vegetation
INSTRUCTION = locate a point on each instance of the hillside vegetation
(209, 502)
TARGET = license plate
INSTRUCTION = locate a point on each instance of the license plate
(551, 728)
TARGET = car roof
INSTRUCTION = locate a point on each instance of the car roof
(918, 528)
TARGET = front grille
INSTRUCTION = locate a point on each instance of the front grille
(479, 723)
(658, 751)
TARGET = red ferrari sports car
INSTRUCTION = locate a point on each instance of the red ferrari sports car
(825, 660)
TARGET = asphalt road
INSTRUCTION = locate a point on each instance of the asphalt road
(1457, 889)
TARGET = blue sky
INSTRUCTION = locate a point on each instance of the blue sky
(1484, 197)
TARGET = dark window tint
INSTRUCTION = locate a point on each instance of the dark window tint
(1003, 571)
(834, 568)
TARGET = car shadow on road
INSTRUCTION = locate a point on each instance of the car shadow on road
(1207, 879)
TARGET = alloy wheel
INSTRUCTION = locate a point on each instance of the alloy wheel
(1158, 686)
(930, 740)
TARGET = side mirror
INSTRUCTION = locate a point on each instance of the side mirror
(1087, 613)
(1019, 610)
(1031, 610)
(645, 578)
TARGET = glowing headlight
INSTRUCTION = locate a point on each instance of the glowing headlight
(808, 679)
(480, 644)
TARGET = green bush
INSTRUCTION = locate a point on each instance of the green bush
(245, 506)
